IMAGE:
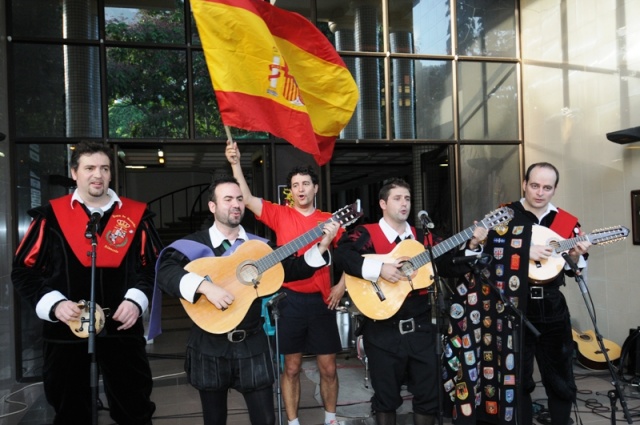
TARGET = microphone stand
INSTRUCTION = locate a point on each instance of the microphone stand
(616, 393)
(276, 317)
(518, 339)
(438, 301)
(91, 233)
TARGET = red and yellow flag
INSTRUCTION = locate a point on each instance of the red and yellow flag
(274, 71)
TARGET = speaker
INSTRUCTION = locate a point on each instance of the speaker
(623, 137)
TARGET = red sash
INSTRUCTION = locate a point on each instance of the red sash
(116, 238)
(564, 224)
(381, 244)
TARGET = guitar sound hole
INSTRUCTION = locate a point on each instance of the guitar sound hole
(248, 274)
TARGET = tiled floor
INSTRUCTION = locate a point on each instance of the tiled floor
(179, 404)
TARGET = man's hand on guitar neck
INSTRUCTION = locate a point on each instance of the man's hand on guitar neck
(218, 296)
(329, 232)
(580, 249)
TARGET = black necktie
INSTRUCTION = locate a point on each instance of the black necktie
(226, 245)
(398, 240)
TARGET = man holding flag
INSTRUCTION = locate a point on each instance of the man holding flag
(308, 320)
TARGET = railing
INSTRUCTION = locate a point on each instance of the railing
(185, 203)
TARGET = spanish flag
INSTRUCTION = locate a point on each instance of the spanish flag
(274, 71)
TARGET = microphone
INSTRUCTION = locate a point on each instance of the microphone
(570, 262)
(472, 259)
(576, 270)
(92, 225)
(276, 299)
(426, 220)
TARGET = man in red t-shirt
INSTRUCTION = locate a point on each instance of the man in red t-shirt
(308, 321)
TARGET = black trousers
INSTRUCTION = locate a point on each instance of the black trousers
(553, 351)
(123, 364)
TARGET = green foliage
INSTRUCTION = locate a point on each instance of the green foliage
(148, 88)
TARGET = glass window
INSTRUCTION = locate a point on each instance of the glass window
(55, 19)
(486, 27)
(489, 176)
(370, 110)
(158, 21)
(488, 101)
(41, 173)
(403, 98)
(436, 191)
(43, 108)
(422, 100)
(428, 22)
(205, 108)
(357, 28)
(147, 93)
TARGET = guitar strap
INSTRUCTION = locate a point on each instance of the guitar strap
(564, 223)
(192, 250)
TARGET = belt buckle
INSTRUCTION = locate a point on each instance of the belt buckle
(537, 292)
(237, 335)
(405, 330)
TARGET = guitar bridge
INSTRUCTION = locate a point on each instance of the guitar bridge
(378, 291)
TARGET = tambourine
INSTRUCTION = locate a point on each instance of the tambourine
(80, 326)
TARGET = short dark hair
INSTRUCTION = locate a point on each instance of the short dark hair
(217, 182)
(89, 148)
(389, 184)
(527, 175)
(306, 170)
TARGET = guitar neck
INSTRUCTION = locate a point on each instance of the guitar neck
(567, 244)
(443, 247)
(273, 258)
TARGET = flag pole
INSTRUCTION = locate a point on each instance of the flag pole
(227, 130)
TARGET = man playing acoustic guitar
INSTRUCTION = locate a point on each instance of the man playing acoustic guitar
(491, 397)
(404, 345)
(240, 358)
(308, 322)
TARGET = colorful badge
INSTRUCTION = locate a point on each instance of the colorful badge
(514, 283)
(514, 264)
(456, 310)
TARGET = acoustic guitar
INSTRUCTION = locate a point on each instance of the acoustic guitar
(253, 270)
(382, 299)
(590, 355)
(544, 271)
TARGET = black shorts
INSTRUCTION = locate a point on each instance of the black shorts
(307, 325)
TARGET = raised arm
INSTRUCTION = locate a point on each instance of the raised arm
(233, 156)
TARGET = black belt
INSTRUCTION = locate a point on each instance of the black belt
(239, 335)
(538, 292)
(406, 326)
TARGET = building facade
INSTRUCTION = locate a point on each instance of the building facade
(457, 97)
